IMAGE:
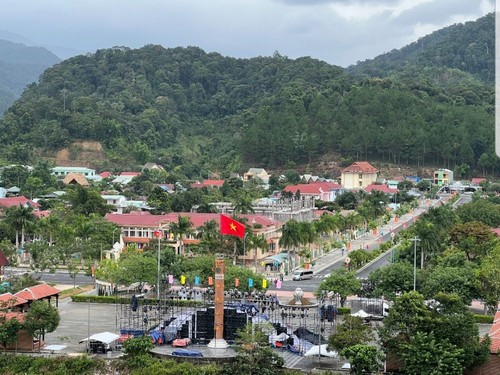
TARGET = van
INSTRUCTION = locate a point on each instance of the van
(302, 274)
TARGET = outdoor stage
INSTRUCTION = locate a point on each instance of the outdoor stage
(208, 354)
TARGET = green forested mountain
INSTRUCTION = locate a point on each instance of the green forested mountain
(184, 107)
(469, 47)
(19, 66)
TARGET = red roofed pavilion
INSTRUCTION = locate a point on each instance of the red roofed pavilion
(9, 301)
(38, 292)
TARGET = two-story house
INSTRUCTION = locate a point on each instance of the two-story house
(443, 177)
(358, 175)
(325, 191)
(258, 174)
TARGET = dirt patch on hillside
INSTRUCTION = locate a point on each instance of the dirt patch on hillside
(80, 154)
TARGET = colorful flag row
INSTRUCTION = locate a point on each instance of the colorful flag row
(211, 281)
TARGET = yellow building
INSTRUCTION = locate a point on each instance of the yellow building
(358, 175)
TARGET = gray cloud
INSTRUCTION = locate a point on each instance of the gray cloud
(295, 28)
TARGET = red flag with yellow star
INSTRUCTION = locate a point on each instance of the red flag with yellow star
(231, 227)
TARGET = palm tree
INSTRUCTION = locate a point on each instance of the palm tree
(290, 237)
(243, 203)
(20, 217)
(180, 229)
(325, 226)
(308, 234)
(83, 228)
(256, 242)
(209, 235)
(48, 225)
(205, 207)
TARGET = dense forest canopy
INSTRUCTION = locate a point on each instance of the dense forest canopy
(202, 111)
(469, 47)
(19, 66)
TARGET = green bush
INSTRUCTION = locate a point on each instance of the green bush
(385, 246)
(22, 364)
(343, 310)
(138, 346)
(484, 319)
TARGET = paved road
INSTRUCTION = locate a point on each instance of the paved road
(380, 262)
(59, 277)
(335, 260)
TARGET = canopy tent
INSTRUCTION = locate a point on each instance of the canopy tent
(54, 348)
(280, 258)
(316, 350)
(103, 337)
(361, 314)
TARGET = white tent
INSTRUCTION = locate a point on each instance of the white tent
(104, 337)
(315, 351)
(281, 337)
(361, 314)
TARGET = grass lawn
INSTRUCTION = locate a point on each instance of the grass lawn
(73, 291)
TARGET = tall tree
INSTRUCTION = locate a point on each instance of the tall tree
(254, 242)
(181, 229)
(9, 329)
(424, 355)
(352, 331)
(86, 201)
(210, 236)
(364, 359)
(41, 318)
(392, 280)
(290, 239)
(489, 279)
(474, 238)
(20, 217)
(243, 203)
(342, 282)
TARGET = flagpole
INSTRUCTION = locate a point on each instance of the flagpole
(158, 282)
(235, 253)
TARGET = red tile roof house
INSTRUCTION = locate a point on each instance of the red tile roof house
(139, 227)
(208, 183)
(10, 302)
(16, 201)
(477, 180)
(24, 342)
(358, 175)
(325, 191)
(492, 365)
(106, 174)
(383, 188)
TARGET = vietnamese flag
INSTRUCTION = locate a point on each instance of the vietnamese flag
(231, 227)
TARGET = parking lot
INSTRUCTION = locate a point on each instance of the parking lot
(78, 320)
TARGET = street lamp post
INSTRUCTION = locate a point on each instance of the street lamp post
(415, 239)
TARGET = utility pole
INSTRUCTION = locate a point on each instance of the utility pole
(415, 240)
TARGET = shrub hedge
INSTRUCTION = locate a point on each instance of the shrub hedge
(484, 319)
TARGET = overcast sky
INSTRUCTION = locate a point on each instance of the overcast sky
(340, 32)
